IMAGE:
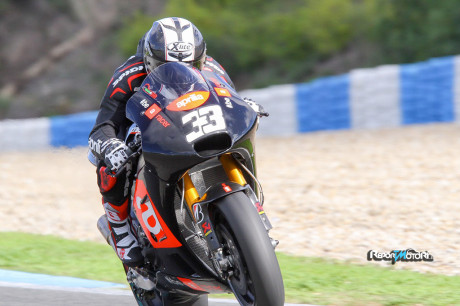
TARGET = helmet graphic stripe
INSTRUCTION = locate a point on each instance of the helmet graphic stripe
(187, 36)
(170, 35)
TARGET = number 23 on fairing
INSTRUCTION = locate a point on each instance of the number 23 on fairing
(204, 121)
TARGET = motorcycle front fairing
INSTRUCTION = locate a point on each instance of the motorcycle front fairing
(182, 116)
(184, 120)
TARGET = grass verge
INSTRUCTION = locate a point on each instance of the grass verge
(307, 280)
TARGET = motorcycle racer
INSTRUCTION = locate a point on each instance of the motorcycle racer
(168, 40)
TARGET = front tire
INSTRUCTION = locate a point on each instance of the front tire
(256, 278)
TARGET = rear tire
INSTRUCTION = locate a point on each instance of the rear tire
(257, 277)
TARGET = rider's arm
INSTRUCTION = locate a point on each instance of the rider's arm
(217, 68)
(111, 121)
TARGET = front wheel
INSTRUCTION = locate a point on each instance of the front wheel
(256, 277)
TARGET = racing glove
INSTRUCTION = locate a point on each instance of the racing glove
(256, 107)
(115, 153)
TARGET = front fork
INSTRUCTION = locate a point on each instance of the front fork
(231, 169)
(196, 205)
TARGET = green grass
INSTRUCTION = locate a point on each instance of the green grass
(307, 280)
(319, 281)
(57, 256)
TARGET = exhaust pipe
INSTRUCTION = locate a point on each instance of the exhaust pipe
(103, 227)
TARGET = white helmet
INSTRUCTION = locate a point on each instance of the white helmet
(174, 40)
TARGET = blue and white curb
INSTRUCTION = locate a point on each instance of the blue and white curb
(279, 101)
(44, 133)
(381, 97)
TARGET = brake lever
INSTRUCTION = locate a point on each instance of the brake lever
(263, 114)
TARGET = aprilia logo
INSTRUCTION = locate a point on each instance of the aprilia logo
(189, 101)
(154, 227)
(150, 219)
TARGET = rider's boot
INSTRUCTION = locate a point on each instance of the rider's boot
(125, 241)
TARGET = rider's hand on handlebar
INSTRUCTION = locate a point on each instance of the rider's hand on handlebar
(116, 152)
(256, 107)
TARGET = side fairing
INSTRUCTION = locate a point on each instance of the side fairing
(156, 230)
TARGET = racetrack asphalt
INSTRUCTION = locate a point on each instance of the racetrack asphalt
(21, 288)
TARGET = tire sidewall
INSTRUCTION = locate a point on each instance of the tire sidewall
(255, 247)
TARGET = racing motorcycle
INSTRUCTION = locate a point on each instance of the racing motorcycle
(196, 204)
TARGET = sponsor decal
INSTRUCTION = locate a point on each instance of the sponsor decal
(399, 255)
(260, 208)
(148, 91)
(189, 101)
(152, 111)
(228, 103)
(162, 120)
(156, 230)
(144, 103)
(150, 219)
(95, 145)
(223, 92)
(206, 228)
(215, 67)
(226, 187)
(198, 213)
(127, 72)
(180, 46)
(122, 253)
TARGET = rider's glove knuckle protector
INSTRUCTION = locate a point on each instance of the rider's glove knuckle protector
(256, 107)
(115, 153)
